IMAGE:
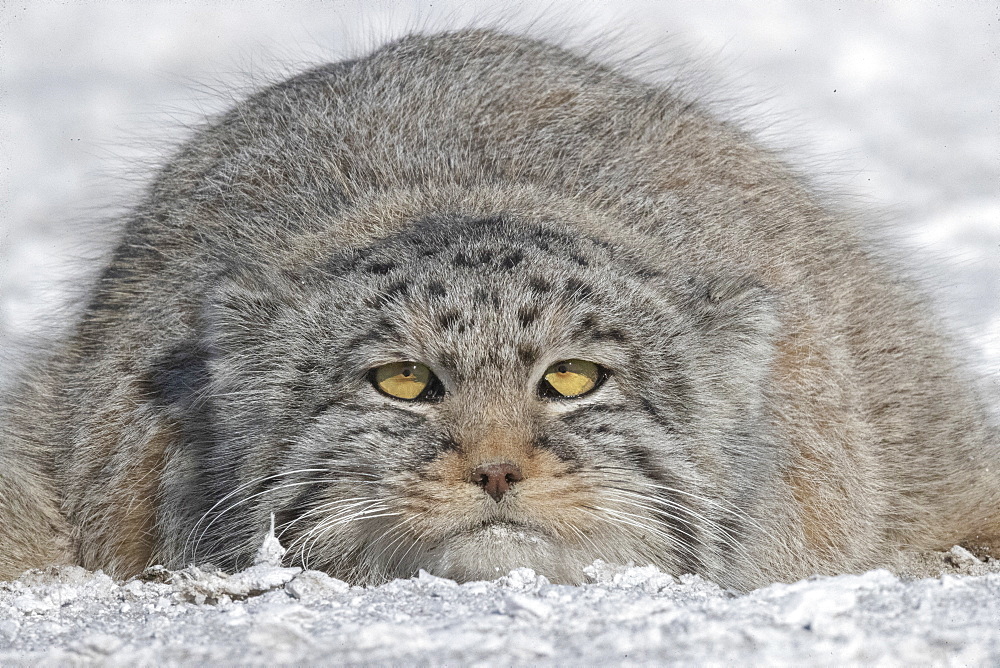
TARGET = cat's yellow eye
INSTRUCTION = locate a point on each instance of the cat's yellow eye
(572, 378)
(402, 380)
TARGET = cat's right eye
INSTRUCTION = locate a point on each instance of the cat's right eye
(410, 381)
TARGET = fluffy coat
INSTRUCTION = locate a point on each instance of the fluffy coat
(778, 402)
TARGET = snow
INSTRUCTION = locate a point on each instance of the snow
(269, 614)
(894, 104)
(637, 614)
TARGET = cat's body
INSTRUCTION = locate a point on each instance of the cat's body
(772, 402)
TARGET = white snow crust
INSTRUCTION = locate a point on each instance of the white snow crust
(896, 104)
(270, 615)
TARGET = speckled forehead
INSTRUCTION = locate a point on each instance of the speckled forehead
(499, 244)
(487, 292)
(466, 255)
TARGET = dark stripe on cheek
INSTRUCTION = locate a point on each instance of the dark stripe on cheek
(688, 551)
(307, 498)
(668, 425)
(428, 449)
(674, 516)
(566, 451)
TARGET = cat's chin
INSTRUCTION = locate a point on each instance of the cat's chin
(495, 549)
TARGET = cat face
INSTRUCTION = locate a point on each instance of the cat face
(471, 396)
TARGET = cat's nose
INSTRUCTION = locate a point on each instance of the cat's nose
(496, 479)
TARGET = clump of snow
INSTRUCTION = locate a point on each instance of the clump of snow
(270, 552)
(207, 584)
(270, 614)
(213, 586)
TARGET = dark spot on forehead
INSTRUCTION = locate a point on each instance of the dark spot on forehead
(449, 319)
(462, 260)
(539, 284)
(449, 362)
(436, 289)
(543, 238)
(646, 272)
(527, 354)
(587, 325)
(380, 268)
(384, 329)
(527, 315)
(367, 337)
(397, 289)
(493, 359)
(613, 334)
(577, 287)
(579, 259)
(512, 260)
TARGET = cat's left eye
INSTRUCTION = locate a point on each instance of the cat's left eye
(571, 378)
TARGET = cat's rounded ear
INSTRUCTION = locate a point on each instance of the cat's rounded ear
(227, 332)
(737, 320)
(732, 305)
(238, 310)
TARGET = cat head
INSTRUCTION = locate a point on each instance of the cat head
(469, 395)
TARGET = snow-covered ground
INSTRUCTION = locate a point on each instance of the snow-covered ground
(896, 105)
(269, 615)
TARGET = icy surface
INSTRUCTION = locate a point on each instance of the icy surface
(636, 615)
(895, 103)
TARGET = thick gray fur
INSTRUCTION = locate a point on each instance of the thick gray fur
(779, 402)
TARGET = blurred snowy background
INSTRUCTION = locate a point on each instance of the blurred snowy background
(895, 105)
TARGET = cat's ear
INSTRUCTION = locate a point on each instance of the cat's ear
(737, 321)
(238, 312)
(251, 351)
(733, 306)
(235, 315)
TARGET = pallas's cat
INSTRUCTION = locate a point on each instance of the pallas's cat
(472, 303)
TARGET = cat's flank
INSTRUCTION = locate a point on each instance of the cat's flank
(472, 303)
